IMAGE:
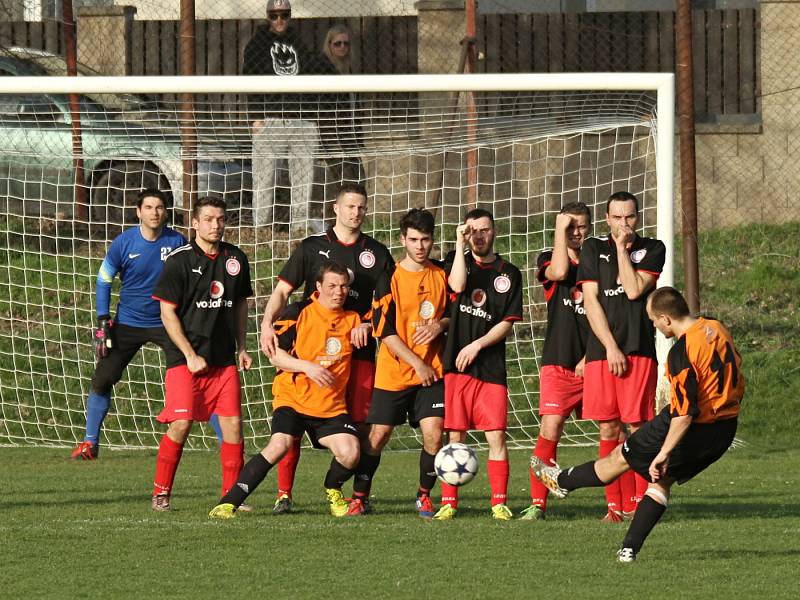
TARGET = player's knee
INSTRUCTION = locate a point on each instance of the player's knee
(103, 384)
(178, 431)
(658, 493)
(378, 438)
(348, 455)
(609, 430)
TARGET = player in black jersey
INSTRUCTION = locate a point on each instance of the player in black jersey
(203, 292)
(489, 301)
(616, 275)
(366, 259)
(561, 372)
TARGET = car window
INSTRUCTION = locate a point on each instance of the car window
(29, 108)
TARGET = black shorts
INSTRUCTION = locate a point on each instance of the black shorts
(125, 343)
(288, 420)
(702, 445)
(415, 403)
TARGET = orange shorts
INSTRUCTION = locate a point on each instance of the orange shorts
(359, 389)
(630, 398)
(470, 403)
(560, 391)
(196, 397)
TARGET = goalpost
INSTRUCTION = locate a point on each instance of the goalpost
(531, 141)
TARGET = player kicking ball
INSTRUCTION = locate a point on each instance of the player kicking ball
(316, 338)
(691, 433)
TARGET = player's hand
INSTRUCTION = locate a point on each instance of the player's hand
(426, 374)
(319, 374)
(624, 237)
(425, 334)
(102, 337)
(245, 360)
(463, 234)
(359, 336)
(580, 367)
(467, 356)
(563, 221)
(269, 339)
(658, 468)
(617, 362)
(196, 365)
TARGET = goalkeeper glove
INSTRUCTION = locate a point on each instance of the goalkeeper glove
(102, 336)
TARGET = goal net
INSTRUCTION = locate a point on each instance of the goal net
(519, 145)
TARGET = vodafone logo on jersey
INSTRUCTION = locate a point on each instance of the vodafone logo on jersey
(366, 259)
(478, 298)
(233, 267)
(351, 276)
(217, 290)
(576, 294)
(638, 255)
(502, 284)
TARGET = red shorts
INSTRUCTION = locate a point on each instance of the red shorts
(359, 389)
(630, 398)
(560, 391)
(470, 403)
(196, 397)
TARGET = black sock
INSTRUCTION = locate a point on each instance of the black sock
(252, 474)
(580, 477)
(427, 472)
(365, 471)
(337, 474)
(648, 513)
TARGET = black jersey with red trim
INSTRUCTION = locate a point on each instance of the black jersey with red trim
(366, 259)
(493, 294)
(204, 290)
(627, 319)
(567, 325)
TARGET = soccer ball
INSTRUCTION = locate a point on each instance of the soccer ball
(456, 464)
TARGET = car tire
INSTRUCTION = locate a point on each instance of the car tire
(115, 192)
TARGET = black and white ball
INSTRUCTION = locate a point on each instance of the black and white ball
(456, 464)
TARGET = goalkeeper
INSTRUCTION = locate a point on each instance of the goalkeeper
(137, 255)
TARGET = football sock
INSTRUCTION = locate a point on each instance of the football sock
(498, 480)
(231, 457)
(287, 468)
(365, 471)
(337, 474)
(169, 455)
(546, 450)
(580, 477)
(251, 475)
(427, 472)
(613, 489)
(449, 495)
(214, 420)
(641, 488)
(627, 483)
(96, 410)
(647, 515)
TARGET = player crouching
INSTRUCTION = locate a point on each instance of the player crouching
(315, 345)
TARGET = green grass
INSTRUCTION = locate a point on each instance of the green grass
(85, 530)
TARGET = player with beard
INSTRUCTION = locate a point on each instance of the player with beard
(489, 301)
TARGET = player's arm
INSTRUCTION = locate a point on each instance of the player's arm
(398, 347)
(284, 361)
(467, 355)
(245, 360)
(275, 305)
(457, 278)
(635, 283)
(425, 334)
(105, 278)
(617, 363)
(172, 323)
(678, 426)
(558, 269)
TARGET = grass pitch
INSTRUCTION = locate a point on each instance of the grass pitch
(85, 530)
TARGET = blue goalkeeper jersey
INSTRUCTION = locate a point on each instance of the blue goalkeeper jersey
(139, 263)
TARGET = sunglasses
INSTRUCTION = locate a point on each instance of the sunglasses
(340, 43)
(285, 16)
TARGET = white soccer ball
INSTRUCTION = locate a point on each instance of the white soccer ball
(456, 464)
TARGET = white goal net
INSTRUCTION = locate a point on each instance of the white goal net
(519, 145)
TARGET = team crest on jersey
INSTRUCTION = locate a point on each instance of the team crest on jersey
(502, 283)
(638, 255)
(426, 309)
(233, 267)
(217, 290)
(333, 346)
(478, 298)
(366, 259)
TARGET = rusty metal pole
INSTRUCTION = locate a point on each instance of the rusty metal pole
(685, 93)
(81, 208)
(472, 154)
(186, 51)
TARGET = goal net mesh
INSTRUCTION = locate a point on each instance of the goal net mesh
(520, 154)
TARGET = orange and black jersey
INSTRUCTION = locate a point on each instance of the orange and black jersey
(567, 325)
(366, 259)
(309, 331)
(705, 374)
(404, 301)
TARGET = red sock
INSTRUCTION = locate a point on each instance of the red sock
(169, 455)
(287, 468)
(546, 450)
(498, 480)
(641, 488)
(613, 489)
(628, 484)
(449, 495)
(231, 457)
